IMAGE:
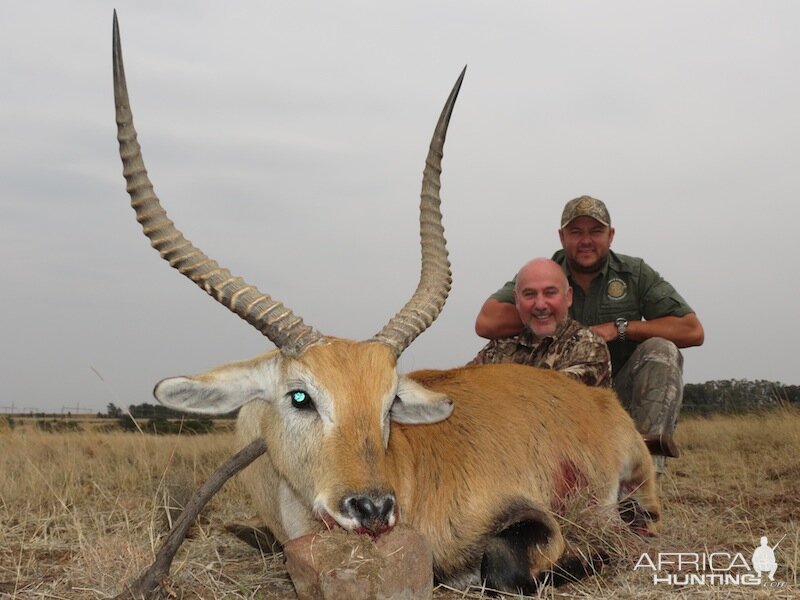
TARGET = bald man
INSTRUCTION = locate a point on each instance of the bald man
(550, 339)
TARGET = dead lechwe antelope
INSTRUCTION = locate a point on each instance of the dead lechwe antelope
(479, 459)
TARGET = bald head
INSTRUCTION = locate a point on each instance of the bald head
(542, 296)
(540, 268)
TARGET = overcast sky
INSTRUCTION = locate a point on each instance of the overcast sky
(287, 140)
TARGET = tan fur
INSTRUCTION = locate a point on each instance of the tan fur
(516, 433)
(521, 424)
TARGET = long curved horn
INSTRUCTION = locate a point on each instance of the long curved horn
(435, 278)
(277, 322)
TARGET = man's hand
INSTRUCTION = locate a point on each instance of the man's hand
(607, 331)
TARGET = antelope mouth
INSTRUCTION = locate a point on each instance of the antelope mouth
(327, 519)
(374, 529)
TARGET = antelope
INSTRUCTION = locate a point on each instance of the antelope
(479, 459)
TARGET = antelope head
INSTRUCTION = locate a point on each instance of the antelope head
(323, 405)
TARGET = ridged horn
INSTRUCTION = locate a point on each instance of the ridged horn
(435, 277)
(277, 322)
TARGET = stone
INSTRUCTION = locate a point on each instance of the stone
(336, 565)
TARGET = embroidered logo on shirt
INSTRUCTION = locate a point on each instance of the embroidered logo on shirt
(616, 289)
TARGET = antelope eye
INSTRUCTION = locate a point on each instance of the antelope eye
(300, 399)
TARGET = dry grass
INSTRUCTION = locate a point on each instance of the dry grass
(80, 513)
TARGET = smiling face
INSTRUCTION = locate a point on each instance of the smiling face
(586, 242)
(542, 296)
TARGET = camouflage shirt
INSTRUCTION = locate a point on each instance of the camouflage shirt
(573, 349)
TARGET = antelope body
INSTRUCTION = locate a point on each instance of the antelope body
(479, 459)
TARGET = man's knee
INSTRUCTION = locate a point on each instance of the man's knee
(658, 350)
(651, 386)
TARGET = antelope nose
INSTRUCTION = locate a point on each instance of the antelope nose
(372, 511)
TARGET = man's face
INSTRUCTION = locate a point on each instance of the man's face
(543, 298)
(586, 242)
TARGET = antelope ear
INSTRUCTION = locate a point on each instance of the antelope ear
(222, 389)
(416, 404)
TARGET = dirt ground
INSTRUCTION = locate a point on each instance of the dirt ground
(82, 513)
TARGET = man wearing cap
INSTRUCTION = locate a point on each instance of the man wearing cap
(628, 304)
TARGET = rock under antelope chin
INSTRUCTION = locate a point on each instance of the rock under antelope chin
(340, 564)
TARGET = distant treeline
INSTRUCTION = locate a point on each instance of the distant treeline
(161, 426)
(144, 418)
(738, 395)
(155, 411)
(160, 420)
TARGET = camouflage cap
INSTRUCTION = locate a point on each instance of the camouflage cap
(585, 206)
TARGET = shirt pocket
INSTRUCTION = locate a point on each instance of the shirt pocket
(610, 310)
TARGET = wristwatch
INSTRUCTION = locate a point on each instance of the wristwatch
(622, 328)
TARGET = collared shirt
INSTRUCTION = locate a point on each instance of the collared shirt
(572, 349)
(627, 287)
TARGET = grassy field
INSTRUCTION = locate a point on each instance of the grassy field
(82, 512)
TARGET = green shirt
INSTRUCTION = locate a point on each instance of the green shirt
(626, 287)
